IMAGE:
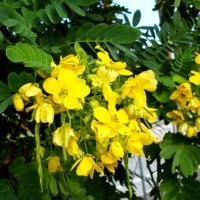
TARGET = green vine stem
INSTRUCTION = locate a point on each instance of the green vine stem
(38, 154)
(63, 116)
(130, 190)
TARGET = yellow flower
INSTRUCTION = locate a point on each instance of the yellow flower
(177, 116)
(191, 131)
(182, 94)
(18, 102)
(67, 89)
(57, 136)
(134, 144)
(103, 131)
(54, 164)
(135, 87)
(73, 148)
(109, 161)
(44, 113)
(71, 62)
(197, 59)
(197, 123)
(108, 68)
(30, 90)
(182, 127)
(194, 104)
(150, 114)
(86, 166)
(195, 78)
(143, 81)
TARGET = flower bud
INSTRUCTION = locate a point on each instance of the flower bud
(54, 164)
(94, 103)
(182, 127)
(18, 102)
(191, 131)
(197, 123)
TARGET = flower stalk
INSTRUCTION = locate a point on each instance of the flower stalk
(38, 154)
(63, 116)
(130, 189)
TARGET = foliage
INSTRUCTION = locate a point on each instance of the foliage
(63, 140)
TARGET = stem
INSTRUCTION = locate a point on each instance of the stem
(63, 115)
(130, 190)
(38, 154)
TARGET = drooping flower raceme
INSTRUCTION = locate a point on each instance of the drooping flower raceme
(101, 112)
(186, 117)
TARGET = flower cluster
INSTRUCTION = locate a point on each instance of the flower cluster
(102, 117)
(187, 114)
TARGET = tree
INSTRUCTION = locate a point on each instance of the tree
(80, 89)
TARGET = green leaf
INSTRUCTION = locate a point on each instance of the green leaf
(74, 187)
(6, 190)
(43, 16)
(81, 33)
(176, 161)
(162, 95)
(75, 8)
(18, 28)
(62, 188)
(177, 3)
(4, 91)
(81, 53)
(169, 151)
(52, 13)
(186, 165)
(93, 32)
(167, 81)
(179, 79)
(5, 103)
(10, 22)
(3, 14)
(26, 78)
(1, 37)
(151, 64)
(83, 3)
(126, 51)
(61, 10)
(44, 43)
(14, 82)
(136, 17)
(53, 186)
(30, 55)
(124, 34)
(21, 172)
(94, 17)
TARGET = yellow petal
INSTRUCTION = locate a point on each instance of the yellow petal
(134, 147)
(71, 102)
(44, 113)
(51, 86)
(78, 90)
(66, 78)
(57, 136)
(107, 158)
(122, 116)
(73, 148)
(18, 102)
(102, 114)
(86, 167)
(116, 150)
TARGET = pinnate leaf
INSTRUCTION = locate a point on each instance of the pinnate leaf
(30, 55)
